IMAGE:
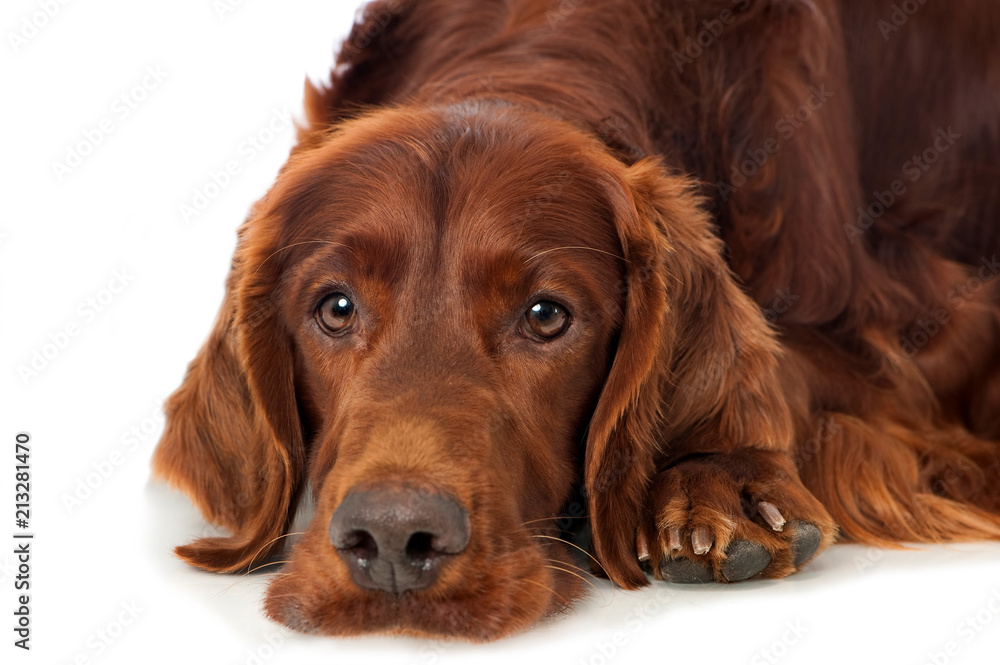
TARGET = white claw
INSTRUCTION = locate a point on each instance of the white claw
(771, 515)
(641, 545)
(701, 540)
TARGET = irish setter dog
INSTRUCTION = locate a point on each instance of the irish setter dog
(725, 271)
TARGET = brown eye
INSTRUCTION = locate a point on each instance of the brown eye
(547, 319)
(336, 313)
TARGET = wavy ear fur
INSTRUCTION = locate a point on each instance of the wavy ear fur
(696, 365)
(233, 440)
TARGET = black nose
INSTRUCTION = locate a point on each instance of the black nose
(396, 539)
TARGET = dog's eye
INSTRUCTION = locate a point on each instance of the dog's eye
(547, 319)
(336, 313)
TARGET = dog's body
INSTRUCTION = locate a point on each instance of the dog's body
(490, 272)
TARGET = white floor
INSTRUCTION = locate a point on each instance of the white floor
(104, 276)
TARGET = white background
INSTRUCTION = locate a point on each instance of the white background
(226, 78)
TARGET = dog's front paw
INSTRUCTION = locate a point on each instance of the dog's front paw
(728, 517)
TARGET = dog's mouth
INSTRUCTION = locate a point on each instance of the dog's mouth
(346, 580)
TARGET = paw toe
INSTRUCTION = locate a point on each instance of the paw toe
(805, 542)
(686, 571)
(744, 559)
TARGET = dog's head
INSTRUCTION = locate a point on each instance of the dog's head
(442, 320)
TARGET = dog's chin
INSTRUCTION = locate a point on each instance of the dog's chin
(504, 594)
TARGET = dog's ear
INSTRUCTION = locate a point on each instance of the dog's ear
(695, 369)
(372, 67)
(233, 440)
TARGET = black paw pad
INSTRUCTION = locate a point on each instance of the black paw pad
(805, 542)
(686, 571)
(744, 559)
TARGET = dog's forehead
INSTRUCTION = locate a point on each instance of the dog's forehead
(459, 194)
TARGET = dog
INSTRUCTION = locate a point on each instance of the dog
(724, 271)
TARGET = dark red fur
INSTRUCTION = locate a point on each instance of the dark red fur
(730, 339)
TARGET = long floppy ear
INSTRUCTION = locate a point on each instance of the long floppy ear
(233, 440)
(696, 365)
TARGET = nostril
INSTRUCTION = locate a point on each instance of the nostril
(361, 543)
(420, 547)
(397, 539)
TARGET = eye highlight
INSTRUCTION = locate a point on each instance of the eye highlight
(546, 320)
(336, 313)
